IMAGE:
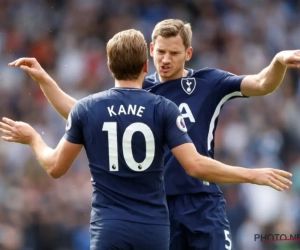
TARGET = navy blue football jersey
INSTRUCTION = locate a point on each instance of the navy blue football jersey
(124, 132)
(200, 96)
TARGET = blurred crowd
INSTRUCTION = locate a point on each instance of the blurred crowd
(69, 37)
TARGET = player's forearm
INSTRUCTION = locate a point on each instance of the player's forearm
(271, 77)
(62, 102)
(44, 154)
(211, 170)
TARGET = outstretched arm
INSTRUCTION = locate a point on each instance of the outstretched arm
(211, 170)
(56, 162)
(270, 77)
(62, 102)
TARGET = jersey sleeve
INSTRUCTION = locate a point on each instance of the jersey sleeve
(229, 83)
(175, 129)
(74, 126)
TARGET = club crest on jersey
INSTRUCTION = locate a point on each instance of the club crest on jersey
(181, 124)
(188, 85)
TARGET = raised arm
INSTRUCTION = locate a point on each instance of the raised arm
(62, 102)
(56, 162)
(266, 81)
(207, 169)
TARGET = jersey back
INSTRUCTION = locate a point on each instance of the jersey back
(124, 132)
(200, 96)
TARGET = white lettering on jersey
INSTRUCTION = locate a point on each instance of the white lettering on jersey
(186, 112)
(110, 110)
(140, 111)
(121, 110)
(130, 110)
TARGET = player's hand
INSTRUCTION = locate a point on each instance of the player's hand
(275, 178)
(14, 131)
(289, 58)
(32, 67)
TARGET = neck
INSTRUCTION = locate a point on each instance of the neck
(135, 84)
(184, 73)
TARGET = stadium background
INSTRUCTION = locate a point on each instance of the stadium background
(68, 38)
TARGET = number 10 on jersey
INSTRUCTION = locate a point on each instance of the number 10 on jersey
(111, 128)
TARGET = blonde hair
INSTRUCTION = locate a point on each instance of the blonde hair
(173, 27)
(127, 53)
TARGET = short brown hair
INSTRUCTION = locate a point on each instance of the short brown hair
(127, 53)
(173, 27)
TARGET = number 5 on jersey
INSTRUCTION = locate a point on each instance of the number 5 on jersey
(111, 128)
(227, 233)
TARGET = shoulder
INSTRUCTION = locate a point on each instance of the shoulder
(79, 108)
(100, 96)
(91, 99)
(150, 81)
(214, 76)
(167, 104)
(86, 102)
(210, 72)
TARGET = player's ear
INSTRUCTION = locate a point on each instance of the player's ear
(109, 69)
(151, 48)
(188, 53)
(108, 66)
(145, 67)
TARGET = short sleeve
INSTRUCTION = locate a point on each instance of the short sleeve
(74, 126)
(229, 83)
(175, 128)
